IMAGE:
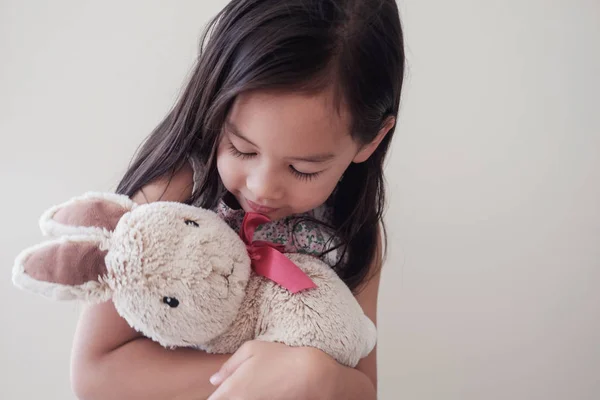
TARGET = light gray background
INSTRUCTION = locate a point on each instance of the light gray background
(490, 289)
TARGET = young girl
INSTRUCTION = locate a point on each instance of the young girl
(289, 112)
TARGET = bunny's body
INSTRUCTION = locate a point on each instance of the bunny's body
(183, 277)
(327, 317)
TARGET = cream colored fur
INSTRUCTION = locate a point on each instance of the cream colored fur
(153, 254)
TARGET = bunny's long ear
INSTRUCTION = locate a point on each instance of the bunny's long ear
(68, 268)
(91, 214)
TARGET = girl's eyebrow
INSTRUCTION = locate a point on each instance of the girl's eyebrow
(315, 158)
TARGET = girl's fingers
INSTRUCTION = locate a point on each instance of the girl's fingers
(232, 364)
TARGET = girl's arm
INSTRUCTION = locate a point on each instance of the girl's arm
(361, 383)
(110, 360)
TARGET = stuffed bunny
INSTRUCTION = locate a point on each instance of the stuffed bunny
(182, 277)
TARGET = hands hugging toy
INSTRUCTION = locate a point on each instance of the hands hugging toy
(182, 277)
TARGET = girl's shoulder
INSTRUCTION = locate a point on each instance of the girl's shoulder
(195, 164)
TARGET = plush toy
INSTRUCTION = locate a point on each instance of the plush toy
(182, 277)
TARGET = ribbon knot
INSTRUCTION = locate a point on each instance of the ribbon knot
(268, 259)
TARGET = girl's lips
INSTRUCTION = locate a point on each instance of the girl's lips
(260, 209)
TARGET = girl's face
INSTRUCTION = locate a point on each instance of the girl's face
(283, 154)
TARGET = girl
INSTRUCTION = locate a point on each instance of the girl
(289, 112)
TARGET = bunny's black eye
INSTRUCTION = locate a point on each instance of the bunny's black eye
(171, 301)
(189, 222)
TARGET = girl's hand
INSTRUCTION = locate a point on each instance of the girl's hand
(264, 370)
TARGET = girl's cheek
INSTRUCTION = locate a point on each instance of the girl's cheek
(224, 168)
(232, 173)
(313, 197)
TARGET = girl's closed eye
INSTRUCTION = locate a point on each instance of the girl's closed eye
(305, 176)
(237, 153)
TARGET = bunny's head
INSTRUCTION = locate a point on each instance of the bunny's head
(177, 273)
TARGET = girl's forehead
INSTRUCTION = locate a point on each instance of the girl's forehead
(305, 121)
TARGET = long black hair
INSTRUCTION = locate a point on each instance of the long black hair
(355, 47)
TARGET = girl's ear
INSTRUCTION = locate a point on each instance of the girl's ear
(91, 214)
(366, 151)
(64, 269)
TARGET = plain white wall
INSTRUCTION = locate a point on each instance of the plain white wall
(489, 291)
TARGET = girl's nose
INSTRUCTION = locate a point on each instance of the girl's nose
(265, 186)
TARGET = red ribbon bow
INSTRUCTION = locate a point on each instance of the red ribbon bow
(268, 259)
